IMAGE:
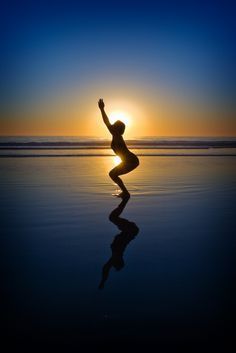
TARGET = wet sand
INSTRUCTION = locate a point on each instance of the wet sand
(173, 288)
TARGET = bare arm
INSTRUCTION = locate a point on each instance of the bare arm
(104, 116)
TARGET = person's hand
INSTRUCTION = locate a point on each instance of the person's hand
(101, 104)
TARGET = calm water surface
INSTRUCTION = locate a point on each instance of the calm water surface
(174, 286)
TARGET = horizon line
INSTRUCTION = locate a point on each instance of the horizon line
(128, 138)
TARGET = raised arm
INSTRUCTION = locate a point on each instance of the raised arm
(104, 116)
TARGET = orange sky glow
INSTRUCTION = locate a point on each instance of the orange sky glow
(76, 114)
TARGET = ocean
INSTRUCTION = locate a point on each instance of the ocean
(83, 272)
(57, 146)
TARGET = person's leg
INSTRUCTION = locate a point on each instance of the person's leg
(114, 176)
(122, 168)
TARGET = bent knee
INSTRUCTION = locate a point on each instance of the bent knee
(113, 175)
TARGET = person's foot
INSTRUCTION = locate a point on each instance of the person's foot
(124, 195)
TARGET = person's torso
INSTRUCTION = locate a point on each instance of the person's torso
(119, 147)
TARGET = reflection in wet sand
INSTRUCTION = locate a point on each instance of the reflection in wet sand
(129, 231)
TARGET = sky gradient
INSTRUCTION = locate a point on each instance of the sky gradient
(170, 66)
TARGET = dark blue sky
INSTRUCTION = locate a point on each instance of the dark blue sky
(49, 48)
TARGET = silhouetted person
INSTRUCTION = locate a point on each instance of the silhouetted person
(129, 230)
(128, 160)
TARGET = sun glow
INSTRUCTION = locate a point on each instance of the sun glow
(122, 116)
(117, 160)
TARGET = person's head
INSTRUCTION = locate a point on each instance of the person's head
(119, 127)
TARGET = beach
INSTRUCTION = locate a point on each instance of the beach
(92, 90)
(173, 287)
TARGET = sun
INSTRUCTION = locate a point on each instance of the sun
(116, 160)
(119, 115)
